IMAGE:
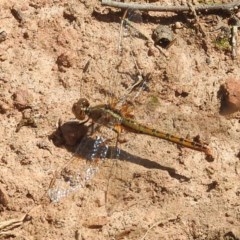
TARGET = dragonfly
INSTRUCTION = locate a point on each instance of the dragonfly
(111, 117)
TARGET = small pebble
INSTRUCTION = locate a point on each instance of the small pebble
(64, 60)
(22, 99)
(4, 107)
(3, 36)
(4, 199)
(178, 25)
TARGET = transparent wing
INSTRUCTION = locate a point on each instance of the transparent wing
(80, 169)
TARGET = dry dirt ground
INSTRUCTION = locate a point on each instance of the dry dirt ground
(52, 53)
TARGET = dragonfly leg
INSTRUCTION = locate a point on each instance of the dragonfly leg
(119, 129)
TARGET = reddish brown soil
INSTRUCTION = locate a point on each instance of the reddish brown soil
(58, 51)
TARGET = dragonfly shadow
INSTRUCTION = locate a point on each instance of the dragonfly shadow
(73, 135)
(126, 156)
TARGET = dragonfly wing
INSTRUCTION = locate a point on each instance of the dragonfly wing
(79, 170)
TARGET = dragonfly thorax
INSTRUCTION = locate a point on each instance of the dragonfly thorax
(80, 108)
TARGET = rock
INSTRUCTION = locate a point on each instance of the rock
(229, 94)
(162, 35)
(4, 107)
(65, 60)
(22, 99)
(3, 36)
(4, 199)
(178, 25)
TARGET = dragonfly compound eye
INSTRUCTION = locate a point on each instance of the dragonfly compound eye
(79, 108)
(83, 102)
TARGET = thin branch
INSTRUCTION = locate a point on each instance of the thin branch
(121, 30)
(152, 7)
(234, 41)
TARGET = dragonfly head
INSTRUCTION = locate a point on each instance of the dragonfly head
(80, 108)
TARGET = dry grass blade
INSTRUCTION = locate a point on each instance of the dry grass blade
(7, 226)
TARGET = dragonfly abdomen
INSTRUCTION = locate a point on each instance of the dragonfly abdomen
(131, 124)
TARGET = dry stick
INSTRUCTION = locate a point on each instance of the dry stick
(152, 7)
(154, 225)
(234, 36)
(121, 30)
(234, 41)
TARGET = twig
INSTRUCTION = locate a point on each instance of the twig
(121, 29)
(154, 225)
(234, 41)
(152, 7)
(234, 36)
